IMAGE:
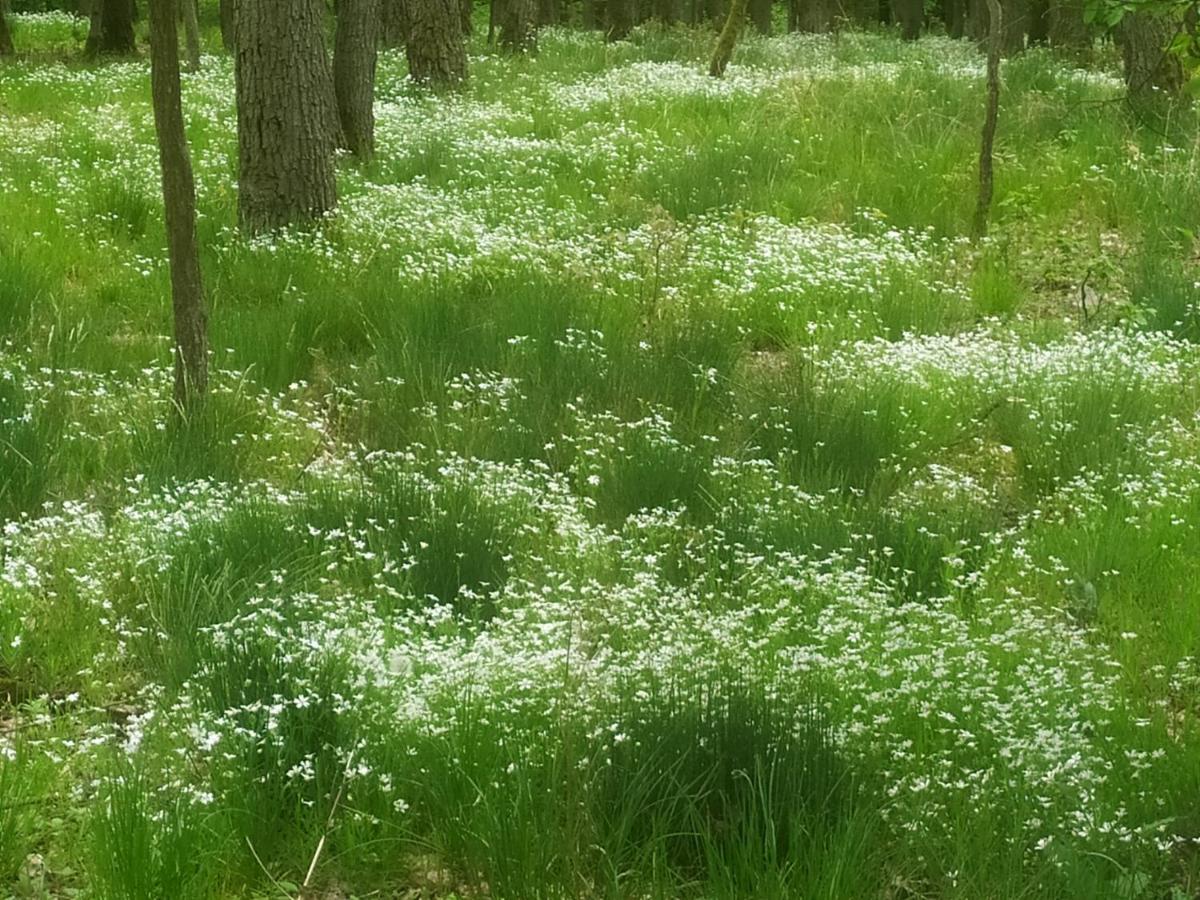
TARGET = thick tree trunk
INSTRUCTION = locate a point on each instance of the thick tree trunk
(6, 42)
(437, 53)
(760, 15)
(287, 119)
(467, 12)
(816, 16)
(394, 28)
(909, 15)
(111, 30)
(1016, 22)
(355, 50)
(547, 12)
(191, 31)
(723, 52)
(620, 19)
(179, 207)
(1066, 26)
(1151, 70)
(666, 11)
(228, 14)
(518, 26)
(983, 205)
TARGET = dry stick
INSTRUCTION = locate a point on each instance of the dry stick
(984, 206)
(312, 866)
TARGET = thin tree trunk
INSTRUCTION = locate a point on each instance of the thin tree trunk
(355, 51)
(983, 207)
(287, 116)
(723, 52)
(228, 15)
(495, 13)
(179, 207)
(955, 16)
(6, 41)
(437, 53)
(191, 31)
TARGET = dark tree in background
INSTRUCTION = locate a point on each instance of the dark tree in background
(179, 208)
(227, 13)
(723, 52)
(619, 19)
(6, 42)
(355, 52)
(760, 15)
(518, 25)
(436, 50)
(111, 29)
(287, 120)
(909, 15)
(983, 204)
(1065, 25)
(191, 30)
(1152, 71)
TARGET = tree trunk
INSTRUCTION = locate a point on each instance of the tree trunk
(467, 11)
(111, 30)
(666, 11)
(394, 28)
(1038, 22)
(6, 42)
(1015, 14)
(760, 15)
(518, 29)
(620, 19)
(594, 14)
(437, 53)
(191, 31)
(287, 117)
(816, 16)
(547, 12)
(179, 208)
(1151, 70)
(355, 49)
(228, 14)
(1066, 26)
(983, 205)
(723, 52)
(910, 15)
(955, 13)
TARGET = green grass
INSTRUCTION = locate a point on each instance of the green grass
(641, 487)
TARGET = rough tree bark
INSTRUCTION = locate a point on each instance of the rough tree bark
(111, 30)
(179, 206)
(1066, 26)
(983, 206)
(518, 25)
(467, 11)
(619, 14)
(1151, 70)
(437, 53)
(191, 31)
(355, 51)
(393, 29)
(287, 119)
(760, 15)
(723, 52)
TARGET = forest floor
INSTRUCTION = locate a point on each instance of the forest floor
(639, 488)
